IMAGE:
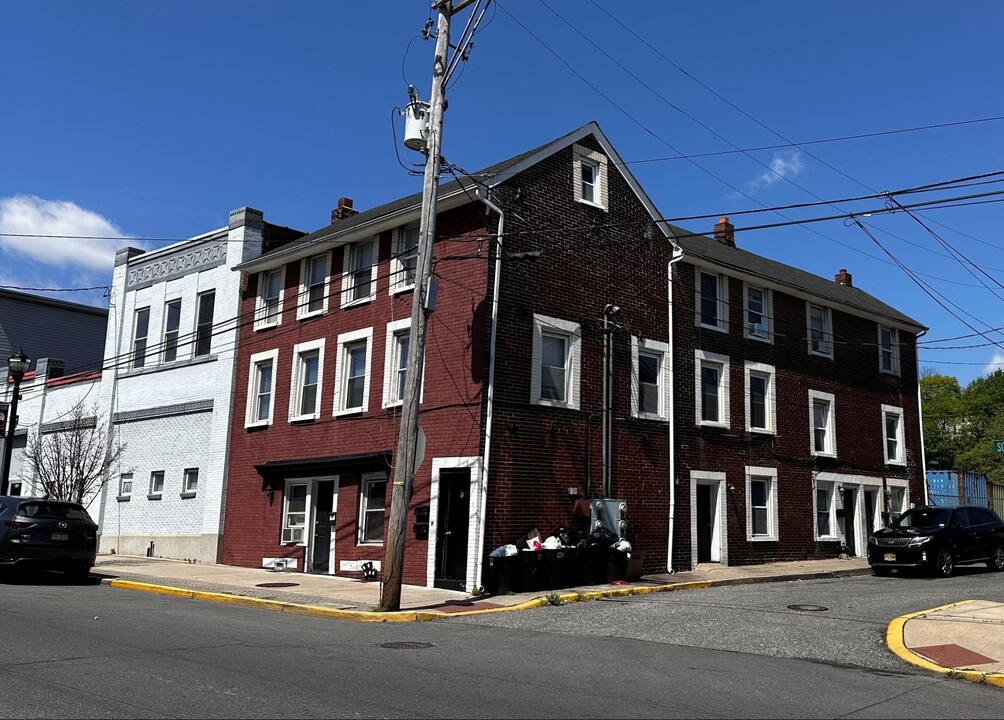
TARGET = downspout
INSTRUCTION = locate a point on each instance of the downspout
(490, 403)
(677, 256)
(609, 311)
(920, 416)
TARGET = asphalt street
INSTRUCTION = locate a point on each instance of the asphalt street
(97, 651)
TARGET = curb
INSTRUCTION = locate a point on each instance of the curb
(895, 642)
(403, 616)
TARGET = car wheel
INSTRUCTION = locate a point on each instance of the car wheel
(944, 563)
(996, 562)
(881, 570)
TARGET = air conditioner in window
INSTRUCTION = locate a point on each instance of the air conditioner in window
(758, 329)
(292, 535)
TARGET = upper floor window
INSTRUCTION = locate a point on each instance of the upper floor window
(821, 413)
(820, 330)
(204, 323)
(589, 176)
(268, 311)
(404, 258)
(359, 281)
(141, 329)
(892, 432)
(758, 314)
(125, 485)
(888, 350)
(650, 379)
(353, 372)
(396, 362)
(261, 388)
(313, 286)
(156, 484)
(712, 381)
(308, 359)
(555, 371)
(172, 326)
(761, 411)
(712, 289)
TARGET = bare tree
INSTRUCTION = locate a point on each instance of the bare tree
(73, 462)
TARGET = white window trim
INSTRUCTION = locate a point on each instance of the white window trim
(185, 488)
(398, 283)
(831, 510)
(349, 260)
(723, 294)
(900, 458)
(769, 474)
(700, 357)
(260, 318)
(895, 350)
(828, 329)
(303, 301)
(768, 314)
(294, 386)
(136, 338)
(653, 347)
(285, 512)
(177, 331)
(581, 153)
(157, 493)
(122, 480)
(832, 424)
(389, 366)
(199, 299)
(574, 332)
(364, 480)
(771, 399)
(252, 399)
(341, 368)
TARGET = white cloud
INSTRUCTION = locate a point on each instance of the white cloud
(996, 363)
(32, 217)
(782, 165)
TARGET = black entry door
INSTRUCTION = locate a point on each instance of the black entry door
(869, 512)
(452, 525)
(322, 527)
(849, 521)
(705, 523)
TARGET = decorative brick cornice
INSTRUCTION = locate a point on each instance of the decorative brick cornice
(192, 257)
(87, 423)
(189, 408)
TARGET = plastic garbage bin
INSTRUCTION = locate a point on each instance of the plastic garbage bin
(593, 562)
(561, 567)
(505, 575)
(535, 571)
(617, 563)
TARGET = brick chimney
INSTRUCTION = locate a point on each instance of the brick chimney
(843, 278)
(725, 232)
(343, 211)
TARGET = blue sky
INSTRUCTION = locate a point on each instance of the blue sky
(154, 120)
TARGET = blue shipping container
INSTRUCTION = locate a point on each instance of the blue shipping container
(943, 487)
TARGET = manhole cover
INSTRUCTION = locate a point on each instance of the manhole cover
(276, 585)
(407, 645)
(808, 608)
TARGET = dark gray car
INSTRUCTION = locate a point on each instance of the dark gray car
(45, 534)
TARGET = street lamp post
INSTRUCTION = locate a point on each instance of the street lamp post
(17, 366)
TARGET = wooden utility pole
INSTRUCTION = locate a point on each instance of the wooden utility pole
(407, 442)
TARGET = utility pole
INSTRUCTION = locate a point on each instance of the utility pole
(407, 442)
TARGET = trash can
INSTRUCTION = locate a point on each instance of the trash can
(617, 563)
(593, 563)
(504, 574)
(535, 575)
(561, 567)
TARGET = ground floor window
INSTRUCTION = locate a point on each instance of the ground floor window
(761, 503)
(294, 515)
(372, 502)
(824, 510)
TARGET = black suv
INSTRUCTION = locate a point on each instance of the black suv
(47, 534)
(938, 538)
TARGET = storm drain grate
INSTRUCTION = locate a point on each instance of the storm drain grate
(808, 608)
(407, 645)
(277, 585)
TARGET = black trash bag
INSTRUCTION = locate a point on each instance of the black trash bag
(569, 537)
(603, 537)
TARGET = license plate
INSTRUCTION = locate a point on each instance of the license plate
(60, 536)
(889, 557)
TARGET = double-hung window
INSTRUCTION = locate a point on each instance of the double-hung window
(352, 384)
(204, 323)
(156, 484)
(820, 330)
(395, 367)
(261, 388)
(372, 502)
(141, 329)
(761, 412)
(712, 383)
(712, 290)
(305, 399)
(172, 326)
(313, 298)
(888, 350)
(758, 314)
(650, 376)
(556, 358)
(359, 281)
(825, 524)
(892, 434)
(294, 513)
(761, 504)
(821, 416)
(268, 311)
(589, 176)
(404, 258)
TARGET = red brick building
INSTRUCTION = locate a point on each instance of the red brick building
(551, 363)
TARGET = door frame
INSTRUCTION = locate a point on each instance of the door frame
(308, 555)
(719, 532)
(860, 483)
(475, 526)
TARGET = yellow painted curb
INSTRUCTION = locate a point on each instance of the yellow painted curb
(895, 642)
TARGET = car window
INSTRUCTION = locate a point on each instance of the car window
(979, 516)
(961, 517)
(63, 511)
(923, 518)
